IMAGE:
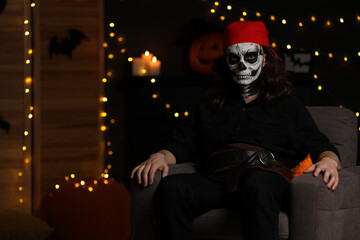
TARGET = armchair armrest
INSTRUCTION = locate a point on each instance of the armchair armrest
(142, 212)
(319, 213)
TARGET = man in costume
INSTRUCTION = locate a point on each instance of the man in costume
(246, 135)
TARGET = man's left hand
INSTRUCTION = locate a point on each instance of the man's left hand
(329, 165)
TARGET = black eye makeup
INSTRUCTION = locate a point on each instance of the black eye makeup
(251, 57)
(233, 58)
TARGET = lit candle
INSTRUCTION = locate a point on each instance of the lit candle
(146, 57)
(154, 67)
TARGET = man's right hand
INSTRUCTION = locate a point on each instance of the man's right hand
(145, 172)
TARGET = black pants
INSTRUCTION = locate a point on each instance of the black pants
(259, 197)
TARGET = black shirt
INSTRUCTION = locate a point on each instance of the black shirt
(284, 127)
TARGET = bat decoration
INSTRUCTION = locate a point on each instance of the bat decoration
(2, 5)
(4, 124)
(67, 44)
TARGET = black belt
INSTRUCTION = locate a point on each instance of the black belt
(248, 157)
(241, 158)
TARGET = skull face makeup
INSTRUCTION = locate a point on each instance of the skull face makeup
(245, 62)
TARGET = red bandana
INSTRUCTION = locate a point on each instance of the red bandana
(246, 31)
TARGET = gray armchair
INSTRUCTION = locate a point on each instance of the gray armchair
(316, 212)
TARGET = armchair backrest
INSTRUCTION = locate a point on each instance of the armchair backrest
(341, 127)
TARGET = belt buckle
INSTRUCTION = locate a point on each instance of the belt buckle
(267, 158)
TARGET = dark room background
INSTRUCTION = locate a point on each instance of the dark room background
(138, 118)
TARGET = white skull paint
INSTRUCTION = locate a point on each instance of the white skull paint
(245, 62)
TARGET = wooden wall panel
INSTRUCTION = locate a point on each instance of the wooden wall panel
(70, 91)
(66, 135)
(12, 105)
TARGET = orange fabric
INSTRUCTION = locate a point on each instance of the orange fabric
(302, 166)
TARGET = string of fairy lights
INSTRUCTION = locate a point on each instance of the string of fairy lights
(24, 172)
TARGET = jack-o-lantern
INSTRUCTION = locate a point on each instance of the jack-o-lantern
(204, 50)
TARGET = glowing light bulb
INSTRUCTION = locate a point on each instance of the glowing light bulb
(111, 56)
(272, 18)
(112, 24)
(82, 182)
(153, 80)
(72, 175)
(176, 114)
(95, 182)
(154, 59)
(330, 55)
(103, 114)
(359, 54)
(222, 18)
(317, 53)
(109, 74)
(346, 59)
(357, 114)
(26, 21)
(301, 24)
(110, 153)
(77, 185)
(104, 80)
(258, 14)
(341, 20)
(106, 175)
(28, 80)
(216, 3)
(242, 19)
(103, 128)
(212, 10)
(90, 189)
(27, 90)
(315, 76)
(20, 188)
(67, 178)
(319, 87)
(154, 96)
(313, 18)
(106, 181)
(120, 39)
(273, 44)
(27, 33)
(229, 7)
(283, 21)
(244, 13)
(112, 34)
(167, 105)
(288, 46)
(186, 113)
(104, 99)
(109, 166)
(21, 201)
(27, 61)
(24, 148)
(130, 59)
(328, 23)
(20, 174)
(105, 45)
(32, 5)
(30, 51)
(147, 53)
(57, 186)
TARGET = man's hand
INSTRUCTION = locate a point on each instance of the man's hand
(329, 164)
(145, 172)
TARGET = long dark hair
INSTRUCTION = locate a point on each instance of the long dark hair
(274, 82)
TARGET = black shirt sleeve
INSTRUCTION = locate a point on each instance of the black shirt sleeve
(307, 137)
(183, 138)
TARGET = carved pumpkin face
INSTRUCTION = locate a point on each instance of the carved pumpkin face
(204, 50)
